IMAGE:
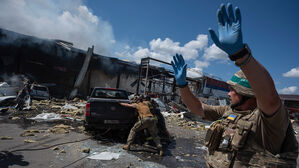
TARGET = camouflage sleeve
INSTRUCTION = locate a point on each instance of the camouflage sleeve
(274, 129)
(213, 113)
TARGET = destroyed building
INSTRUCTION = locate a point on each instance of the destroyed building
(57, 63)
(63, 68)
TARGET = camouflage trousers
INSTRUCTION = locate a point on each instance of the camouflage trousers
(149, 123)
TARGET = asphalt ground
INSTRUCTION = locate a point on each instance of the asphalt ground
(49, 149)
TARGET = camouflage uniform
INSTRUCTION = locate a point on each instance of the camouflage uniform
(249, 138)
(146, 120)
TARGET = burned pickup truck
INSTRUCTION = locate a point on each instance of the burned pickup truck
(103, 110)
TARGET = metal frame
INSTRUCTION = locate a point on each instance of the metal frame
(150, 75)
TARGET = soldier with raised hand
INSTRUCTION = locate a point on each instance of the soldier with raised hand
(254, 131)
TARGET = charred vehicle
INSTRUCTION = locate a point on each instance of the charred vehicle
(103, 110)
(39, 92)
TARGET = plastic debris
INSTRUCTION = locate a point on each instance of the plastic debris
(70, 107)
(46, 117)
(202, 148)
(104, 156)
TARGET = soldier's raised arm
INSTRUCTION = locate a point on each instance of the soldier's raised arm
(180, 67)
(230, 40)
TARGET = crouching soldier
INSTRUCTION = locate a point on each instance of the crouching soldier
(146, 120)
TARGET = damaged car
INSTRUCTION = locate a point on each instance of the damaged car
(103, 110)
(8, 96)
(39, 92)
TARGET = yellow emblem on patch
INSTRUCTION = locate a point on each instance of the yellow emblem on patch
(232, 117)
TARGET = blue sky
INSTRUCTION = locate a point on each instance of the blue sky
(133, 29)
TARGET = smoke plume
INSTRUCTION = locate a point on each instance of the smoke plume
(68, 20)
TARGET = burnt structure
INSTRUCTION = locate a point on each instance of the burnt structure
(160, 81)
(58, 65)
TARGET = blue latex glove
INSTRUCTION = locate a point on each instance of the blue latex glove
(229, 28)
(179, 68)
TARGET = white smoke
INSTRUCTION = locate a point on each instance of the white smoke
(68, 20)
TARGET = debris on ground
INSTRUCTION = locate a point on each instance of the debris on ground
(30, 132)
(29, 141)
(202, 148)
(6, 138)
(104, 156)
(15, 118)
(61, 129)
(46, 117)
(182, 121)
(86, 150)
(55, 148)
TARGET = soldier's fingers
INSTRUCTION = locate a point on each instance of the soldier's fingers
(175, 61)
(238, 15)
(174, 68)
(224, 13)
(220, 18)
(231, 16)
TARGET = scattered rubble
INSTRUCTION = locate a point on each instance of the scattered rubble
(86, 150)
(189, 123)
(29, 141)
(15, 118)
(6, 138)
(30, 132)
(61, 129)
(55, 148)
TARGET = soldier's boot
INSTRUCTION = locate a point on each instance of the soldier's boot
(126, 146)
(160, 149)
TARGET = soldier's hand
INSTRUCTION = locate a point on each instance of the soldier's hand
(179, 68)
(229, 30)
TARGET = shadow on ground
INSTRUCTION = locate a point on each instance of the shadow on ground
(9, 159)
